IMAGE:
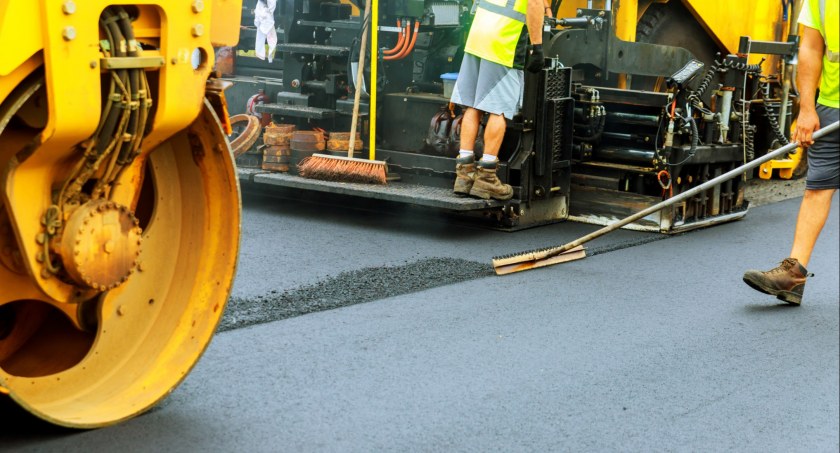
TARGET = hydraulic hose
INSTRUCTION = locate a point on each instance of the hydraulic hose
(400, 41)
(409, 47)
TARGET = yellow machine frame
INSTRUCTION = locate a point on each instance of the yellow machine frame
(155, 333)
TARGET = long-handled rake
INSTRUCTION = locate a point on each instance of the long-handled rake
(574, 250)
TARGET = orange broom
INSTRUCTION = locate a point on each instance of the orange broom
(349, 169)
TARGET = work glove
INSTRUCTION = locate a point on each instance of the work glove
(536, 60)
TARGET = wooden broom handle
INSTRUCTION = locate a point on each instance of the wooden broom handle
(360, 73)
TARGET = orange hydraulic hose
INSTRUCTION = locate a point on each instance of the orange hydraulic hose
(405, 34)
(400, 41)
(413, 40)
(407, 50)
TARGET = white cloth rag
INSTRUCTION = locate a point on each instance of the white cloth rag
(264, 21)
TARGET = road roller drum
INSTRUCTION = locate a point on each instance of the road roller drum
(119, 202)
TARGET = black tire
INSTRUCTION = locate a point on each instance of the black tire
(672, 24)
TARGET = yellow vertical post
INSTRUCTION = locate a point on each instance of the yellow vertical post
(374, 60)
(626, 17)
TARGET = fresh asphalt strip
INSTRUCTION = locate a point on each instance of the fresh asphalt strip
(370, 284)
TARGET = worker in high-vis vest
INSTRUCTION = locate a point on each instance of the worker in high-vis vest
(819, 66)
(491, 81)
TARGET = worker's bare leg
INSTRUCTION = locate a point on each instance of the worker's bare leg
(494, 133)
(812, 215)
(465, 162)
(487, 184)
(469, 128)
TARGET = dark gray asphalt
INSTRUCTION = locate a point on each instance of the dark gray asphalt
(648, 346)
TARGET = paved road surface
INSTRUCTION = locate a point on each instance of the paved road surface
(652, 344)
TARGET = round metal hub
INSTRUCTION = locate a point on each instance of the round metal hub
(100, 245)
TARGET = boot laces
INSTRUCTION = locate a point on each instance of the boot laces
(786, 265)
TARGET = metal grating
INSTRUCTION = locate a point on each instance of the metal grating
(557, 83)
(561, 131)
(558, 107)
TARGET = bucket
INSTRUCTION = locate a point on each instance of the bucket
(448, 83)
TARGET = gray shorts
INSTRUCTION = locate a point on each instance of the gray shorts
(824, 155)
(489, 87)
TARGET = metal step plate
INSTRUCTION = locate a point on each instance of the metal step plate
(300, 111)
(395, 191)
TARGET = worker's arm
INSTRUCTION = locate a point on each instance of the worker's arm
(547, 8)
(811, 51)
(534, 20)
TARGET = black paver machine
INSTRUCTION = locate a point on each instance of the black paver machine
(592, 141)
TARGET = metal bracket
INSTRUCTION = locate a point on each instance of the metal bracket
(131, 62)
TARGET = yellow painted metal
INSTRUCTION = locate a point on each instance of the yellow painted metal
(69, 354)
(152, 329)
(725, 21)
(784, 167)
(20, 34)
(174, 26)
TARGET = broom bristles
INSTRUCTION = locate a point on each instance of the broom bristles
(343, 169)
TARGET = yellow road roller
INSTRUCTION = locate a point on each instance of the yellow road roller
(119, 201)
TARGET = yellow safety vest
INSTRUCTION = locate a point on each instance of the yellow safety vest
(496, 29)
(827, 15)
(829, 30)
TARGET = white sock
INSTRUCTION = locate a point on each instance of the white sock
(465, 153)
(489, 158)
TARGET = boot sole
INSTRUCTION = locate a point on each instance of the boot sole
(786, 296)
(478, 193)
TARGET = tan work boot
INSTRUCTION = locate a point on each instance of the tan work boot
(487, 185)
(786, 282)
(464, 175)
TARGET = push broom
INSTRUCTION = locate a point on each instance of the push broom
(350, 169)
(574, 250)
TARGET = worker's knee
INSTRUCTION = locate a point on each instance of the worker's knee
(819, 194)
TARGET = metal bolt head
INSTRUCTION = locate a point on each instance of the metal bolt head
(68, 7)
(69, 33)
(197, 30)
(197, 6)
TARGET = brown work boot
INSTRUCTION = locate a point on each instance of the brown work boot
(464, 175)
(487, 185)
(786, 282)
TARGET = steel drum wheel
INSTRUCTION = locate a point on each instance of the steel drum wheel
(142, 338)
